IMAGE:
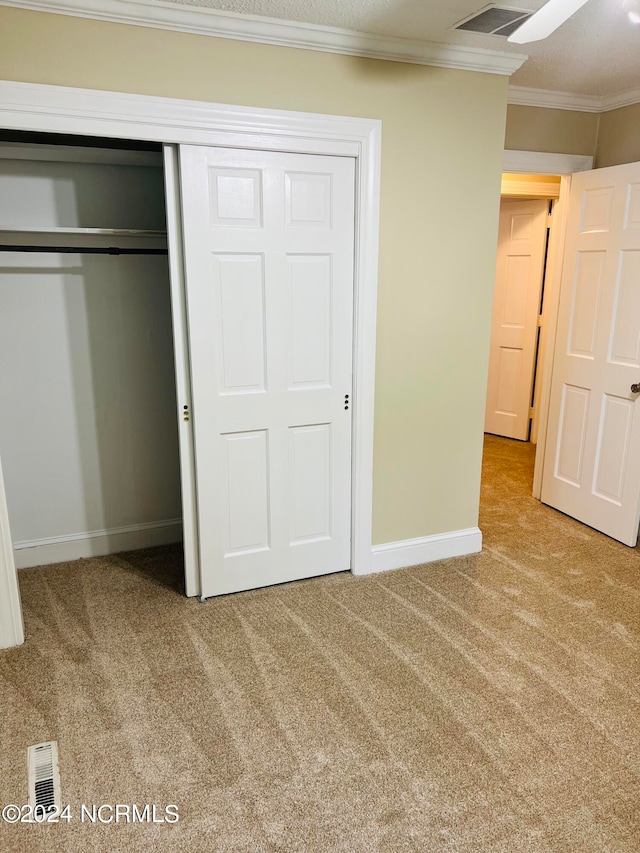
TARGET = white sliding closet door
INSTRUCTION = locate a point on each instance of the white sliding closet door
(269, 249)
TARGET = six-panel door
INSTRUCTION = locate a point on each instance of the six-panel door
(592, 460)
(522, 240)
(269, 248)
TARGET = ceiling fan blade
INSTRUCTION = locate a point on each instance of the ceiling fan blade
(547, 19)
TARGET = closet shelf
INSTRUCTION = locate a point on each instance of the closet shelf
(97, 232)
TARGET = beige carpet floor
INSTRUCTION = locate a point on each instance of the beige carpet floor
(487, 703)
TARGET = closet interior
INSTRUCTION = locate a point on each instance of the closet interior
(88, 424)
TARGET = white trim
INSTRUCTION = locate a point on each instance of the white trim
(541, 163)
(96, 543)
(425, 549)
(27, 106)
(182, 371)
(364, 346)
(62, 109)
(211, 22)
(622, 99)
(11, 625)
(550, 99)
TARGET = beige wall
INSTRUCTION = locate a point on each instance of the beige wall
(619, 137)
(611, 137)
(443, 133)
(551, 131)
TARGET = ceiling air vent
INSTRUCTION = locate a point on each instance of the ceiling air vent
(495, 21)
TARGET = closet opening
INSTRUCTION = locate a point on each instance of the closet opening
(88, 425)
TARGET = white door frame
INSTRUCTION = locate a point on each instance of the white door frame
(11, 627)
(535, 162)
(58, 109)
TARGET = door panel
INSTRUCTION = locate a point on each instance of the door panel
(247, 491)
(625, 322)
(519, 268)
(585, 303)
(310, 494)
(310, 297)
(572, 431)
(239, 282)
(269, 247)
(592, 461)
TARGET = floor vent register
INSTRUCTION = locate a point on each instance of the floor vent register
(44, 777)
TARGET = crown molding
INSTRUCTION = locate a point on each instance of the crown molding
(210, 22)
(550, 99)
(523, 96)
(622, 99)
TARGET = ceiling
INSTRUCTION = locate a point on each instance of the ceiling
(595, 53)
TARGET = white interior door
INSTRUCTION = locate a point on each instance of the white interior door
(522, 237)
(592, 459)
(269, 248)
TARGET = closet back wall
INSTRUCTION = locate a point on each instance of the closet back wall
(88, 439)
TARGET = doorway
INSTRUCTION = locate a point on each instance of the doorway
(114, 115)
(519, 171)
(97, 400)
(528, 206)
(590, 464)
(86, 349)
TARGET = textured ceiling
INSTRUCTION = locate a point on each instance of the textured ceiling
(596, 52)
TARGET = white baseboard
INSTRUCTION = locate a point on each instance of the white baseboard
(96, 543)
(425, 549)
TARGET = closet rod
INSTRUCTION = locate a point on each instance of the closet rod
(84, 250)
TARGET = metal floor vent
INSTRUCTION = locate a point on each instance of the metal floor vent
(44, 777)
(495, 21)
